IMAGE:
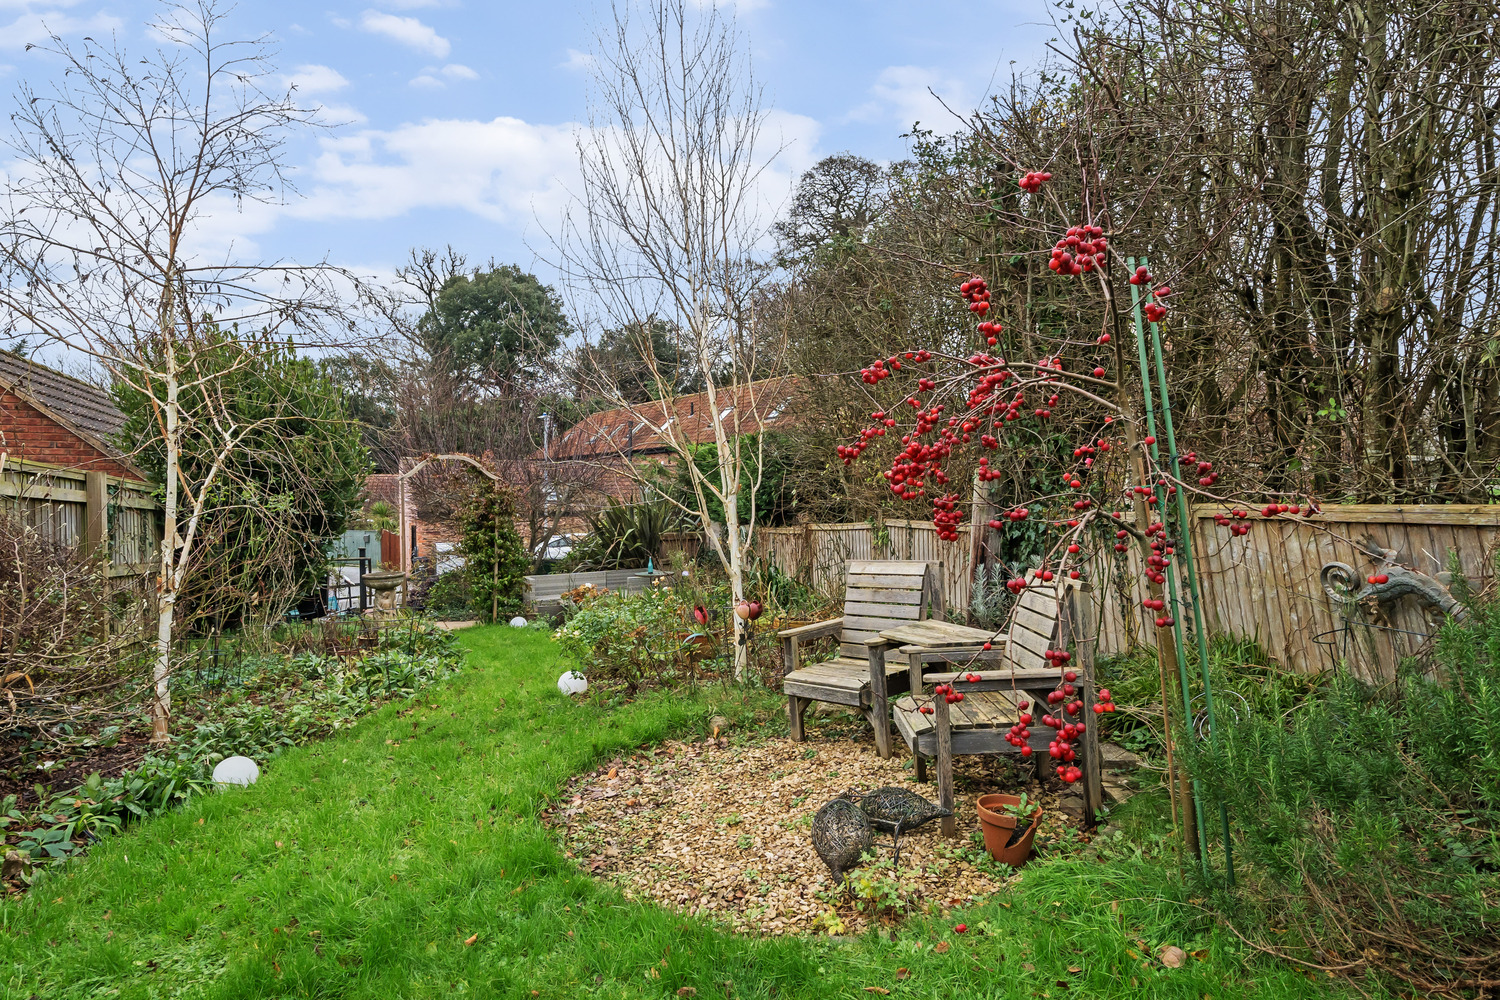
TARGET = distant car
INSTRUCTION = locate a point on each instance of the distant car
(558, 546)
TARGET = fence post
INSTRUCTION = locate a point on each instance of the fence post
(96, 513)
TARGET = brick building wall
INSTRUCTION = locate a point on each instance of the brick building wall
(27, 433)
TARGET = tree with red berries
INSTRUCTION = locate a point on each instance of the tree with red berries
(1119, 488)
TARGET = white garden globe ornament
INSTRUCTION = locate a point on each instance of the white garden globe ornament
(572, 682)
(518, 622)
(236, 771)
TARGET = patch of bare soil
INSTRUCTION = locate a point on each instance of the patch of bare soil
(721, 829)
(64, 768)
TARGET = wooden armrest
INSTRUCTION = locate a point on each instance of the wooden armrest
(954, 654)
(814, 631)
(1004, 678)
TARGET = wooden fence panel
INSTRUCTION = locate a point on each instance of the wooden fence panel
(817, 553)
(1264, 586)
(1267, 585)
(55, 502)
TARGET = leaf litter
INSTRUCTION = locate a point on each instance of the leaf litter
(722, 831)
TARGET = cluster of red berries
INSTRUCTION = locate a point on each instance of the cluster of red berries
(1033, 181)
(1081, 249)
(1019, 514)
(1161, 552)
(1378, 578)
(849, 452)
(977, 293)
(1159, 606)
(1273, 509)
(1234, 521)
(1155, 311)
(1062, 748)
(946, 517)
(1018, 734)
(1105, 702)
(948, 694)
(1206, 474)
(1141, 276)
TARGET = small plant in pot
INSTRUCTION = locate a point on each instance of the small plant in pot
(1009, 823)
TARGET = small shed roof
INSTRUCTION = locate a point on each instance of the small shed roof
(87, 407)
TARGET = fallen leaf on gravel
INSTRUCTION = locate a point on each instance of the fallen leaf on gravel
(1172, 956)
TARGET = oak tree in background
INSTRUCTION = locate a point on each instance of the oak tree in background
(116, 166)
(493, 327)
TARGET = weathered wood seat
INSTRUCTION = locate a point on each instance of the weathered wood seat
(877, 595)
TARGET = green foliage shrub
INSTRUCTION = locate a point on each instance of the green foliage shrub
(283, 493)
(1368, 819)
(450, 596)
(495, 561)
(635, 639)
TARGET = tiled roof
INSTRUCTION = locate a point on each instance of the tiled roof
(85, 406)
(638, 430)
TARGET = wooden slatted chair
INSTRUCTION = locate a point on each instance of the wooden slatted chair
(877, 595)
(1046, 617)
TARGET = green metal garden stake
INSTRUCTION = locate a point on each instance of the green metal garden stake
(1161, 500)
(1186, 529)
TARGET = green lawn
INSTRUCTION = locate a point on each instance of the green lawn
(358, 867)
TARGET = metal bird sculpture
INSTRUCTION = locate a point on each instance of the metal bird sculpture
(898, 811)
(841, 833)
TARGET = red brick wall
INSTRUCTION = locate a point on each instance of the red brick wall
(429, 533)
(27, 433)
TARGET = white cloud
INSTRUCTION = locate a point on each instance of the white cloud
(576, 60)
(500, 170)
(315, 79)
(31, 28)
(340, 114)
(432, 78)
(407, 31)
(901, 93)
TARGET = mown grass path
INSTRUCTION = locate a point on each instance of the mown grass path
(360, 866)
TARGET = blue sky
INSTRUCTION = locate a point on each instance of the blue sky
(460, 114)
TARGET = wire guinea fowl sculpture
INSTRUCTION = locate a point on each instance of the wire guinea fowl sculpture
(898, 811)
(841, 834)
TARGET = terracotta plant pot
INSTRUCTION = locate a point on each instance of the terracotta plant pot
(999, 828)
